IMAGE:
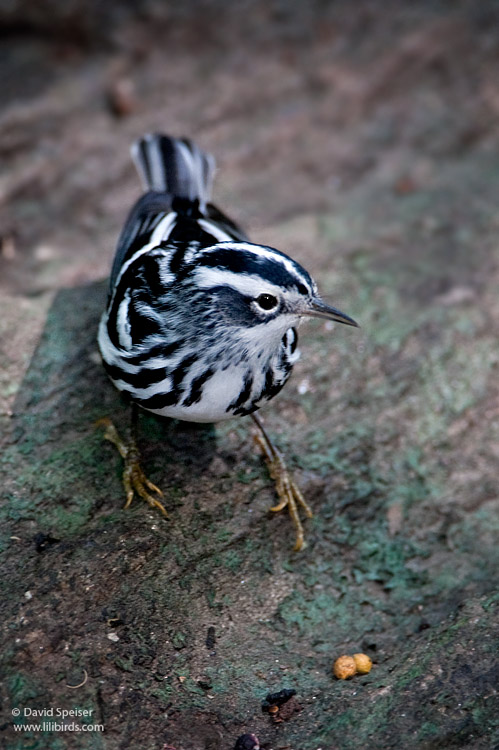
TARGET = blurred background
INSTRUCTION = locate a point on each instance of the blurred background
(305, 106)
(362, 138)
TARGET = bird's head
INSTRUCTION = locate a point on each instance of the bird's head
(260, 289)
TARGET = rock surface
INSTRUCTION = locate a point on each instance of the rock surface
(363, 141)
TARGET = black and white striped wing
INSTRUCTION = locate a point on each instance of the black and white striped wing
(143, 219)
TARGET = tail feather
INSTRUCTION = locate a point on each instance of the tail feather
(174, 166)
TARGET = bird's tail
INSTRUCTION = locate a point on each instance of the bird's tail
(175, 166)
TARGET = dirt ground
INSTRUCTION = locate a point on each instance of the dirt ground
(362, 139)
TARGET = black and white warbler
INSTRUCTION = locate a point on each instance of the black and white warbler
(200, 323)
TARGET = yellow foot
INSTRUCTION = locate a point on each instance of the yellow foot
(134, 479)
(288, 492)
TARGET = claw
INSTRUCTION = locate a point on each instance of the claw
(134, 479)
(288, 492)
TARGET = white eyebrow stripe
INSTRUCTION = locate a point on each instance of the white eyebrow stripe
(247, 285)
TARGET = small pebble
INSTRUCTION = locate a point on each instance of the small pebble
(121, 97)
(277, 699)
(247, 742)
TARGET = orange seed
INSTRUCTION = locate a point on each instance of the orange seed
(363, 663)
(344, 667)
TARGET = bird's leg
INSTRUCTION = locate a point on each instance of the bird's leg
(134, 479)
(288, 492)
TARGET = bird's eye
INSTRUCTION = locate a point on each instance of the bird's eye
(267, 301)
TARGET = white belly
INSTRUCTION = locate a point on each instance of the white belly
(219, 392)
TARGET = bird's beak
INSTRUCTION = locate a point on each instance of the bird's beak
(318, 309)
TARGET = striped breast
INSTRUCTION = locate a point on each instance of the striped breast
(172, 379)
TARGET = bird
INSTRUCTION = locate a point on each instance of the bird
(200, 323)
